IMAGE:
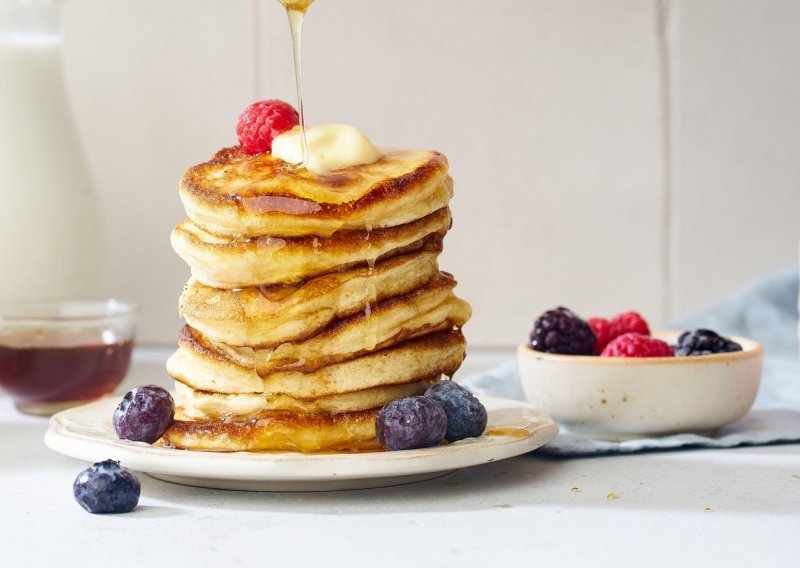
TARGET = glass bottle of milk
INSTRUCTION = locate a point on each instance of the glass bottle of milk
(51, 237)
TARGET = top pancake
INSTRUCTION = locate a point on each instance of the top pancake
(236, 194)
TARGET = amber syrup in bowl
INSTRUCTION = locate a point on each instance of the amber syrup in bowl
(55, 354)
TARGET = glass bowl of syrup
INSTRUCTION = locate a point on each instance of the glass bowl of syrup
(55, 354)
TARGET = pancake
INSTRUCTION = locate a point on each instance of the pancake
(222, 262)
(267, 316)
(277, 430)
(376, 397)
(235, 194)
(429, 309)
(198, 365)
(209, 405)
(314, 300)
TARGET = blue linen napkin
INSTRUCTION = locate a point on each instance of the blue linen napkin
(765, 311)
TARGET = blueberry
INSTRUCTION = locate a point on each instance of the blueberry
(144, 414)
(466, 416)
(413, 422)
(107, 488)
(561, 331)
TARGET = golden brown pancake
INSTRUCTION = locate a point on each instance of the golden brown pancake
(277, 430)
(200, 366)
(235, 194)
(429, 309)
(376, 397)
(209, 405)
(222, 262)
(267, 316)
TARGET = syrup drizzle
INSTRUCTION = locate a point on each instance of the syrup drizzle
(371, 292)
(296, 11)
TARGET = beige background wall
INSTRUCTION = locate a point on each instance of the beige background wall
(608, 154)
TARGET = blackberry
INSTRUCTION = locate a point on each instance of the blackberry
(561, 331)
(704, 342)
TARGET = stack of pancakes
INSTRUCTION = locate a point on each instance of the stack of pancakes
(314, 300)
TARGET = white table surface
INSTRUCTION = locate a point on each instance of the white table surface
(736, 507)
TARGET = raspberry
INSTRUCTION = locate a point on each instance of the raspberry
(605, 331)
(704, 342)
(261, 122)
(608, 330)
(630, 322)
(637, 345)
(561, 331)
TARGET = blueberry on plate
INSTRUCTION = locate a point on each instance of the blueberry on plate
(144, 414)
(466, 415)
(408, 423)
(106, 487)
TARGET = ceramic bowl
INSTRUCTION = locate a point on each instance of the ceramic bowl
(617, 398)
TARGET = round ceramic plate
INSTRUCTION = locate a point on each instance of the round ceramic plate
(86, 433)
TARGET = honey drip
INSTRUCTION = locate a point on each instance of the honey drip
(296, 11)
(371, 293)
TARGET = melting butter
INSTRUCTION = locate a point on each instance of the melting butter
(330, 147)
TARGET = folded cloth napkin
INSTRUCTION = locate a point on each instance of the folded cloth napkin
(765, 311)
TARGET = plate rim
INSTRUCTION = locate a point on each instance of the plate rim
(283, 466)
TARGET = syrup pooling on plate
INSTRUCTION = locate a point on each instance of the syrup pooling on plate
(513, 432)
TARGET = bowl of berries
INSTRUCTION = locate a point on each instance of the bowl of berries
(614, 379)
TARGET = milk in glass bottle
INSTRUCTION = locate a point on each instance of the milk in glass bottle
(51, 238)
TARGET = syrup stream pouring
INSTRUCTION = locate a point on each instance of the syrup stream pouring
(296, 11)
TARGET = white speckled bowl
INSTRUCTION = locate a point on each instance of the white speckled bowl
(616, 398)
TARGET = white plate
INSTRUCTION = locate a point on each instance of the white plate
(86, 433)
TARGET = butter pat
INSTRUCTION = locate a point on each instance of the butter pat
(330, 147)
